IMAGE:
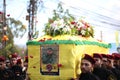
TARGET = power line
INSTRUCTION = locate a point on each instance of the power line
(21, 13)
(101, 18)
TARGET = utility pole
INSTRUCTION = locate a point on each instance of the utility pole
(4, 18)
(4, 27)
(4, 13)
(32, 11)
(32, 16)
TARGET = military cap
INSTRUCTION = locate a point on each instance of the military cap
(19, 61)
(110, 56)
(116, 56)
(14, 55)
(89, 58)
(104, 56)
(2, 58)
(97, 55)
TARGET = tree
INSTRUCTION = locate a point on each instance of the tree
(15, 28)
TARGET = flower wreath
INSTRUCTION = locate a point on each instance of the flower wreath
(63, 23)
(61, 27)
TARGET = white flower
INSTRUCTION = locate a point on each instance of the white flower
(67, 29)
(61, 22)
(58, 24)
(83, 32)
(72, 26)
(89, 29)
(80, 24)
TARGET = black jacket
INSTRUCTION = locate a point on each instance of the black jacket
(6, 74)
(88, 76)
(104, 74)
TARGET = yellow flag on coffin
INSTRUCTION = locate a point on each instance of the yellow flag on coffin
(67, 52)
(117, 38)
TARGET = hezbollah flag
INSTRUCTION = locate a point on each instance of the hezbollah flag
(58, 58)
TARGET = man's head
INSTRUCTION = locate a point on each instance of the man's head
(116, 59)
(8, 63)
(2, 62)
(110, 61)
(87, 63)
(98, 59)
(104, 60)
(14, 59)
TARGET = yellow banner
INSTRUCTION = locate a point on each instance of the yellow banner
(117, 38)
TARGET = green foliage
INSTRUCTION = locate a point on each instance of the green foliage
(15, 28)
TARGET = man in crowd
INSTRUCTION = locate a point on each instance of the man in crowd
(25, 63)
(8, 64)
(112, 68)
(13, 69)
(104, 61)
(5, 73)
(102, 72)
(87, 65)
(17, 66)
(13, 59)
(116, 60)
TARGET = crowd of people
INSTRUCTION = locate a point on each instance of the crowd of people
(100, 67)
(93, 67)
(14, 68)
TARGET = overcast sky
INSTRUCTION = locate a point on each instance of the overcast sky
(102, 14)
